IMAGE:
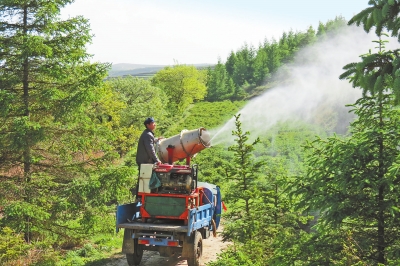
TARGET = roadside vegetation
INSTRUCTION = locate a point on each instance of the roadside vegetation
(296, 195)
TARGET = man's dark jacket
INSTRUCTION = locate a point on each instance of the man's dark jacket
(146, 149)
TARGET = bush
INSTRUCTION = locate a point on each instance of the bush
(12, 246)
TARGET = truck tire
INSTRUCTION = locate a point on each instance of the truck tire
(197, 250)
(135, 258)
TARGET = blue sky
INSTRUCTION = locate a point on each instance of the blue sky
(161, 32)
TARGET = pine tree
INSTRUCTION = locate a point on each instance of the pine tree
(354, 181)
(243, 68)
(230, 63)
(261, 70)
(218, 87)
(242, 193)
(50, 142)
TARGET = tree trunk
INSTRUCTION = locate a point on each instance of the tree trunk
(25, 84)
(381, 229)
(27, 148)
(381, 212)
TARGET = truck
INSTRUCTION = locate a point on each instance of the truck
(175, 212)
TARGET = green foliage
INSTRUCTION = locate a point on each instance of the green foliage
(316, 248)
(243, 68)
(272, 232)
(108, 112)
(272, 219)
(261, 70)
(205, 114)
(381, 15)
(12, 245)
(334, 25)
(212, 165)
(139, 100)
(242, 192)
(233, 257)
(83, 255)
(250, 67)
(243, 170)
(56, 145)
(182, 84)
(286, 228)
(376, 72)
(219, 85)
(60, 175)
(350, 179)
(94, 252)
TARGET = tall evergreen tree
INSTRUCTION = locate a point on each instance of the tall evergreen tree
(243, 68)
(352, 180)
(230, 63)
(50, 142)
(274, 57)
(218, 85)
(355, 181)
(261, 70)
(243, 173)
(308, 38)
(321, 32)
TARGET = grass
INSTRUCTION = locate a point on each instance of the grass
(97, 251)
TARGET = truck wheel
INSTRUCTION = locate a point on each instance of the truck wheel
(197, 251)
(135, 258)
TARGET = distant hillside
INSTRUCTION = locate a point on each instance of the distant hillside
(123, 69)
(140, 70)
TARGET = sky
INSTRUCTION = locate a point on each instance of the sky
(167, 32)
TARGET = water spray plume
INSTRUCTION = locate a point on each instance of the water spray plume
(311, 88)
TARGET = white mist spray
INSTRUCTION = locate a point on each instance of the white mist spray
(312, 86)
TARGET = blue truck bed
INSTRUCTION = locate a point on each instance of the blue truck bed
(198, 218)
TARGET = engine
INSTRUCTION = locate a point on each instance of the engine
(174, 179)
(177, 179)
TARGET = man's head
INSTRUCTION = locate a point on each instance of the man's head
(150, 123)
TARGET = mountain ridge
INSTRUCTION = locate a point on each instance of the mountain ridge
(141, 70)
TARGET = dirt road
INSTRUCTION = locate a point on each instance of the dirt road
(211, 247)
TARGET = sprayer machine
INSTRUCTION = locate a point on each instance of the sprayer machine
(176, 211)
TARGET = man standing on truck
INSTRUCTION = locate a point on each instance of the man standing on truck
(146, 152)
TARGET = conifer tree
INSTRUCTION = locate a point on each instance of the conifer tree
(261, 70)
(218, 86)
(243, 68)
(355, 181)
(51, 142)
(243, 173)
(230, 63)
(381, 15)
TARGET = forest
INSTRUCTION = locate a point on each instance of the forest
(300, 193)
